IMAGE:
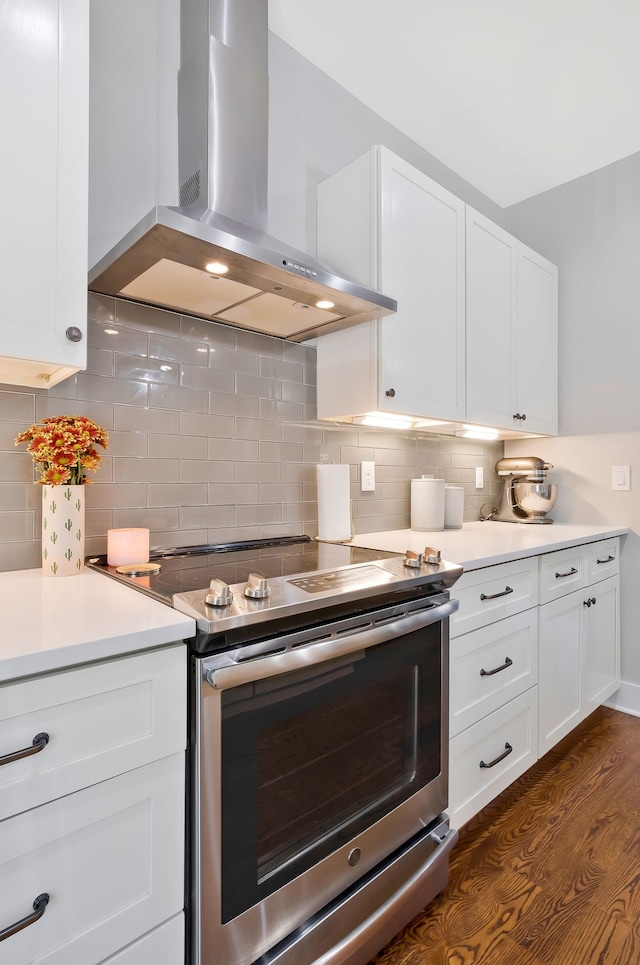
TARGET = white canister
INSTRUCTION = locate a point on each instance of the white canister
(427, 504)
(453, 506)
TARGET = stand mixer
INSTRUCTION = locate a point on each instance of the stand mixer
(526, 496)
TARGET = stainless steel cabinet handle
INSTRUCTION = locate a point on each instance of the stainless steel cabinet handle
(508, 662)
(571, 572)
(609, 559)
(39, 907)
(39, 743)
(494, 596)
(507, 750)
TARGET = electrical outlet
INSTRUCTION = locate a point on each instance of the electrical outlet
(479, 477)
(367, 477)
(621, 478)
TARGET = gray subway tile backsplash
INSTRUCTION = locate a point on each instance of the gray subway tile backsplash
(214, 437)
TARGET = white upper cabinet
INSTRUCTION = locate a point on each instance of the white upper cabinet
(44, 79)
(389, 226)
(492, 264)
(537, 343)
(512, 331)
(475, 336)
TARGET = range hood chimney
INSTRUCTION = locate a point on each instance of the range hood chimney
(253, 281)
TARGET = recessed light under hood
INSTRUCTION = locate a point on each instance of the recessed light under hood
(222, 120)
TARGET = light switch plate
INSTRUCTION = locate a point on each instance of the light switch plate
(479, 477)
(621, 478)
(367, 477)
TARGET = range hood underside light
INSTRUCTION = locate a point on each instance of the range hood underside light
(158, 263)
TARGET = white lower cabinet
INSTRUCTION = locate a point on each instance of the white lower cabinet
(489, 756)
(493, 671)
(579, 657)
(110, 858)
(535, 648)
(491, 666)
(95, 817)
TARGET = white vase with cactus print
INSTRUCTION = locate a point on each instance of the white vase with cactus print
(62, 530)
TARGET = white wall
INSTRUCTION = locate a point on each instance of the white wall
(591, 228)
(315, 128)
(133, 118)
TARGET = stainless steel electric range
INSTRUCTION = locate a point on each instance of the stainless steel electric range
(318, 744)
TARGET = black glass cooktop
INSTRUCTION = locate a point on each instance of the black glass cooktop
(193, 567)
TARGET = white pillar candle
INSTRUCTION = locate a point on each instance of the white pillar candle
(127, 546)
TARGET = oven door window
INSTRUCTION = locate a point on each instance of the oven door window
(312, 758)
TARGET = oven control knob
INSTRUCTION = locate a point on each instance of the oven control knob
(257, 587)
(414, 560)
(432, 555)
(218, 594)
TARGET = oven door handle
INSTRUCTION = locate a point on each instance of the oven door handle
(270, 665)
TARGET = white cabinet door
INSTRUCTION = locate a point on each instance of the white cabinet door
(491, 666)
(559, 673)
(111, 859)
(491, 322)
(601, 644)
(387, 225)
(512, 331)
(422, 228)
(44, 76)
(487, 757)
(537, 343)
(100, 720)
(579, 650)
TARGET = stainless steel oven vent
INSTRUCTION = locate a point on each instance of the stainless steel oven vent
(266, 286)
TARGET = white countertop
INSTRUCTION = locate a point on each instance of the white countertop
(479, 544)
(49, 623)
(53, 623)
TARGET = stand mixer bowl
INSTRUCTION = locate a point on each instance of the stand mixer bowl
(535, 499)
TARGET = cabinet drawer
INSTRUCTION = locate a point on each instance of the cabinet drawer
(101, 720)
(602, 560)
(561, 573)
(111, 859)
(163, 946)
(491, 666)
(493, 593)
(471, 785)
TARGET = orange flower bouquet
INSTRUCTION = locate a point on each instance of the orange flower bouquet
(63, 448)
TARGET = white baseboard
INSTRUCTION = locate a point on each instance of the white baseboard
(627, 699)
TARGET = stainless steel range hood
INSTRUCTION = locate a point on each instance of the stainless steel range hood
(221, 222)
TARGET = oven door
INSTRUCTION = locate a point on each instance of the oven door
(319, 753)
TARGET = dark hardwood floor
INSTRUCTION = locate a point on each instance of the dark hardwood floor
(549, 872)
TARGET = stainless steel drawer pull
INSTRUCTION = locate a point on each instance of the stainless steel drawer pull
(39, 743)
(507, 750)
(571, 572)
(39, 907)
(609, 559)
(489, 673)
(494, 596)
